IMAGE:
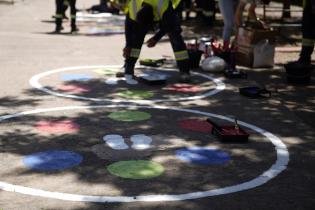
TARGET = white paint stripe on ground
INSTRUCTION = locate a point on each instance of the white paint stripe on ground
(34, 82)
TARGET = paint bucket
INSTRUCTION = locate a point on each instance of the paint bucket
(298, 73)
(192, 44)
(203, 41)
(194, 58)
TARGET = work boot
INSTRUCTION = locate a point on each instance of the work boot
(74, 30)
(59, 27)
(305, 55)
(130, 80)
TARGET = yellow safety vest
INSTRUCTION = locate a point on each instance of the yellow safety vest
(159, 7)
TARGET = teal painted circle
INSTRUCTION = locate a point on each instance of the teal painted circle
(136, 169)
(129, 116)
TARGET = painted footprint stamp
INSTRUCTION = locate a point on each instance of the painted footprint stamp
(116, 147)
(140, 142)
(115, 142)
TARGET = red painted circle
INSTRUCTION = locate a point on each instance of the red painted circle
(196, 125)
(74, 88)
(57, 126)
(183, 88)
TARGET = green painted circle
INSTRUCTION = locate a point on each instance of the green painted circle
(136, 94)
(106, 71)
(129, 116)
(136, 169)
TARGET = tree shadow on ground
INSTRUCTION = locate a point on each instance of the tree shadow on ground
(282, 115)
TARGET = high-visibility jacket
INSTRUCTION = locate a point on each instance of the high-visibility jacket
(159, 7)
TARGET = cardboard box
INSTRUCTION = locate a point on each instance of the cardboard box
(244, 55)
(250, 36)
(255, 56)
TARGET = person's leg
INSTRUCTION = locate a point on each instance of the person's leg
(187, 8)
(252, 12)
(59, 15)
(171, 23)
(308, 33)
(227, 8)
(73, 12)
(134, 35)
(65, 7)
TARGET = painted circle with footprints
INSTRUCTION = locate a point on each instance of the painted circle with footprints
(105, 149)
(99, 83)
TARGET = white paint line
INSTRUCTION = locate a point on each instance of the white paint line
(115, 142)
(35, 82)
(279, 166)
(140, 142)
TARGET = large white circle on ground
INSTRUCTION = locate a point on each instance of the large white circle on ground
(280, 164)
(35, 82)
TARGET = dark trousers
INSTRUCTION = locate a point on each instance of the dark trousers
(135, 34)
(308, 31)
(60, 12)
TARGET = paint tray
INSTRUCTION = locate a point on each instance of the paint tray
(229, 133)
(152, 79)
(151, 62)
(255, 92)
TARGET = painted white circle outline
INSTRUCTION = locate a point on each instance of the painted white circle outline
(272, 172)
(34, 82)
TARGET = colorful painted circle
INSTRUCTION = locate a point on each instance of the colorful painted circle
(52, 160)
(106, 71)
(136, 94)
(74, 88)
(57, 126)
(136, 169)
(129, 116)
(196, 125)
(76, 77)
(183, 88)
(202, 155)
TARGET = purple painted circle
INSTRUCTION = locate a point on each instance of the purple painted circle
(202, 155)
(52, 160)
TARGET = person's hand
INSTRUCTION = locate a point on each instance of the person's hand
(126, 52)
(151, 42)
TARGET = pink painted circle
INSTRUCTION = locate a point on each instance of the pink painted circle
(74, 88)
(196, 125)
(183, 88)
(57, 126)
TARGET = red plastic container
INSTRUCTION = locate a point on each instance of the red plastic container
(229, 133)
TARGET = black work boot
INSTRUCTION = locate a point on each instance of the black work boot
(74, 28)
(58, 25)
(305, 55)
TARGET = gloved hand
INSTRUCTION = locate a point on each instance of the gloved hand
(151, 42)
(126, 52)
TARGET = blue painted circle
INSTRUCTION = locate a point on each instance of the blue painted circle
(52, 160)
(202, 155)
(77, 77)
